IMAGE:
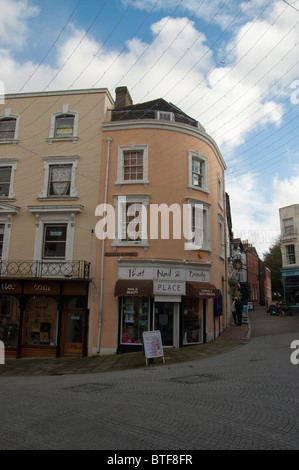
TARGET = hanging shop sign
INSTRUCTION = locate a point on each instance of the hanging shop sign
(237, 264)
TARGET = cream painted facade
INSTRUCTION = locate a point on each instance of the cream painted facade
(64, 291)
(151, 283)
(50, 157)
(289, 225)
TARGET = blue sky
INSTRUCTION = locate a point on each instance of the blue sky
(232, 65)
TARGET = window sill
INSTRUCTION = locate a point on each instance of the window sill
(57, 198)
(73, 139)
(9, 141)
(203, 190)
(117, 244)
(121, 183)
(190, 248)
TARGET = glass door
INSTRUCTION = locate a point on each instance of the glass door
(73, 333)
(165, 322)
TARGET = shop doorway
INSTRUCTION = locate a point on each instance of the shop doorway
(73, 329)
(72, 344)
(166, 320)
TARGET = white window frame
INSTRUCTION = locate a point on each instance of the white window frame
(220, 190)
(165, 116)
(290, 257)
(221, 234)
(6, 213)
(206, 245)
(16, 117)
(47, 215)
(205, 177)
(52, 161)
(11, 162)
(288, 226)
(120, 164)
(65, 110)
(56, 225)
(119, 203)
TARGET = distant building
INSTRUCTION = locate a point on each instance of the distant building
(253, 273)
(289, 227)
(265, 285)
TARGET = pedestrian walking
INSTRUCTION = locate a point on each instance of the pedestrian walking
(234, 311)
(239, 310)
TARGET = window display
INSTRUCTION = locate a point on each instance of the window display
(41, 321)
(9, 320)
(192, 321)
(135, 312)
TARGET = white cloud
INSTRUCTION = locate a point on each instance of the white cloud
(13, 21)
(230, 99)
(256, 215)
(286, 191)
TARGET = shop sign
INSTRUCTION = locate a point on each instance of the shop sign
(133, 288)
(237, 264)
(206, 293)
(169, 288)
(10, 287)
(42, 288)
(162, 272)
(197, 275)
(152, 345)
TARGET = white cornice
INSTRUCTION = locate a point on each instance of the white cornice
(86, 91)
(60, 208)
(165, 125)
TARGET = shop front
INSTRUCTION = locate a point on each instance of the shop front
(160, 298)
(290, 279)
(43, 318)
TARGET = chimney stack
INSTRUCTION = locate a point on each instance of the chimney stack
(122, 97)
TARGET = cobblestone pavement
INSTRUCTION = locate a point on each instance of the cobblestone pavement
(244, 396)
(260, 324)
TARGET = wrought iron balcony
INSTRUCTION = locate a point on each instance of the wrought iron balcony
(45, 269)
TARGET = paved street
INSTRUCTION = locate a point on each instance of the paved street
(245, 397)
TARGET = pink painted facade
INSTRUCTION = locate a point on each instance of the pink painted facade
(156, 157)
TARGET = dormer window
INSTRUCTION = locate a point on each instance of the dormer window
(165, 115)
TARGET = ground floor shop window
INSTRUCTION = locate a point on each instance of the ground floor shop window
(292, 290)
(41, 322)
(192, 321)
(134, 319)
(9, 320)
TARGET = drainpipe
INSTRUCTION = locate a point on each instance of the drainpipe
(109, 140)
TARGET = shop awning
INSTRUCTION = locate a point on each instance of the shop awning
(202, 290)
(133, 288)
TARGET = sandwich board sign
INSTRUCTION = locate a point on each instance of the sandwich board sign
(2, 360)
(152, 345)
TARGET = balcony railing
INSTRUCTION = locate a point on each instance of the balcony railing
(45, 269)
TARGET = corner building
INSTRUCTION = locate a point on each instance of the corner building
(159, 164)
